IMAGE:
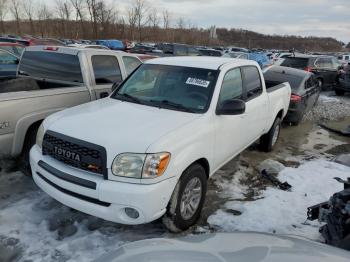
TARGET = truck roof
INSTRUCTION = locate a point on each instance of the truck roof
(205, 62)
(73, 50)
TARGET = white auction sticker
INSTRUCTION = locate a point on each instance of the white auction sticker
(197, 82)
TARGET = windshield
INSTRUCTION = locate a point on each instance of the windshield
(172, 87)
(55, 66)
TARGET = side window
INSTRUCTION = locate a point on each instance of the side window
(130, 63)
(323, 63)
(347, 58)
(252, 81)
(232, 86)
(180, 50)
(192, 51)
(7, 58)
(106, 69)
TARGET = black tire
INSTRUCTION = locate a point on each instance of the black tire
(319, 83)
(345, 243)
(339, 92)
(266, 141)
(173, 219)
(29, 142)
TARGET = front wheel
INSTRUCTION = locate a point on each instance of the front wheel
(187, 200)
(339, 92)
(268, 141)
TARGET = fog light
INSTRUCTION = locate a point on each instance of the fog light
(132, 213)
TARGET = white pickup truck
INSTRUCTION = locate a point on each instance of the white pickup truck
(148, 149)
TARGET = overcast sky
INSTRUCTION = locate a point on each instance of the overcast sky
(297, 17)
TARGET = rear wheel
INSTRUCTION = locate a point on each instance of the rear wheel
(187, 200)
(268, 141)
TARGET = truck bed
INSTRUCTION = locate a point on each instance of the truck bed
(29, 84)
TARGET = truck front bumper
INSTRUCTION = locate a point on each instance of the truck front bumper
(96, 196)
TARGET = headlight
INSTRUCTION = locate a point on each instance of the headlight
(128, 165)
(140, 165)
(40, 136)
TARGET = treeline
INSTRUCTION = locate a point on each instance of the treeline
(98, 19)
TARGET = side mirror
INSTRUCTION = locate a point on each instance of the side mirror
(231, 107)
(115, 86)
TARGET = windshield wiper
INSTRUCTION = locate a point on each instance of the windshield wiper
(173, 105)
(130, 97)
(23, 73)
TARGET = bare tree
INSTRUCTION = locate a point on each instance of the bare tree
(43, 15)
(63, 9)
(92, 6)
(153, 18)
(132, 20)
(140, 8)
(166, 19)
(3, 12)
(16, 11)
(79, 15)
(29, 12)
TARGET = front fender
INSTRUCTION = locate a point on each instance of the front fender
(23, 125)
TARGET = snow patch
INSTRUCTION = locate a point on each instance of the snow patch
(284, 212)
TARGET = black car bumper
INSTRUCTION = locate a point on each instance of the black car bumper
(343, 84)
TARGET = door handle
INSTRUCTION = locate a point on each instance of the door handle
(104, 94)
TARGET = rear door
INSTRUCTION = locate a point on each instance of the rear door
(312, 91)
(326, 69)
(106, 71)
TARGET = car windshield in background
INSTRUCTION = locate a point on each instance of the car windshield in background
(172, 87)
(51, 65)
(295, 62)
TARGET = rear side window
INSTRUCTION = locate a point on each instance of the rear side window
(131, 63)
(106, 69)
(232, 86)
(324, 63)
(295, 62)
(51, 65)
(252, 81)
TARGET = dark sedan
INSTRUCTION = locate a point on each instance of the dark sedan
(305, 90)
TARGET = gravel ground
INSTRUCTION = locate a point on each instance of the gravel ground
(330, 107)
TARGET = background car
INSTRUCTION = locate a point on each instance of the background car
(305, 90)
(325, 68)
(8, 64)
(343, 85)
(209, 52)
(14, 48)
(111, 44)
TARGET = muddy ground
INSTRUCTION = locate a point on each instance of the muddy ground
(34, 227)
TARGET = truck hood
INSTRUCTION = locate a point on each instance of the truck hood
(116, 125)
